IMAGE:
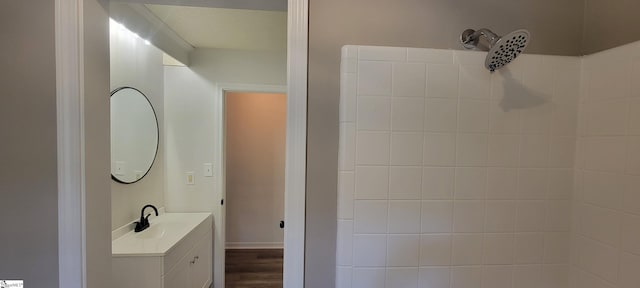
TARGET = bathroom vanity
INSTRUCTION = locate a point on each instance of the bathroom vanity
(174, 252)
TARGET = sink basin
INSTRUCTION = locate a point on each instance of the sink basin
(154, 231)
(164, 232)
(158, 230)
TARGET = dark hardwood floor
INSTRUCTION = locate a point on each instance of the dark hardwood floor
(253, 268)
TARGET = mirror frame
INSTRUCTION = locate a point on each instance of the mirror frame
(155, 116)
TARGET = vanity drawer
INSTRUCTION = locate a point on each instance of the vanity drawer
(200, 263)
(193, 270)
(181, 249)
(136, 272)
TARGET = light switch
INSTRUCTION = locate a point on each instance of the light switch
(119, 168)
(208, 170)
(190, 179)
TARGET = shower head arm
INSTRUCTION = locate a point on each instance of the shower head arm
(491, 37)
(470, 37)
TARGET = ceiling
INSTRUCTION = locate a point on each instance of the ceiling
(226, 28)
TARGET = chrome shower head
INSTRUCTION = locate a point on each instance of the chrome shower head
(502, 50)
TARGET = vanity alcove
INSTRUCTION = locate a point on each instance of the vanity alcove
(175, 250)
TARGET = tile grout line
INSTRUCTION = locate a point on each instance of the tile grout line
(355, 160)
(455, 173)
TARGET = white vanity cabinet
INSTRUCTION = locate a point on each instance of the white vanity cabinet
(200, 270)
(174, 252)
(194, 269)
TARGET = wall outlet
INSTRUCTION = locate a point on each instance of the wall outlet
(190, 178)
(208, 170)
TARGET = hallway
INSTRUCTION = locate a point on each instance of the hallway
(253, 268)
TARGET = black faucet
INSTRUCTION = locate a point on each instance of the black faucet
(144, 221)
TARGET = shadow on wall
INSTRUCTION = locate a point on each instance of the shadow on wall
(517, 95)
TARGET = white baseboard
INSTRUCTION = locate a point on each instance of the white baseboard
(255, 245)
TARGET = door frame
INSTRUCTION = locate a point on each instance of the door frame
(220, 216)
(73, 217)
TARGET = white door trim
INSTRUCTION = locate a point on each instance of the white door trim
(69, 24)
(70, 127)
(220, 215)
(296, 155)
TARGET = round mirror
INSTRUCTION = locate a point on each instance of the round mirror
(134, 135)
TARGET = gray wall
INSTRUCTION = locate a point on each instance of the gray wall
(28, 145)
(28, 165)
(610, 24)
(556, 28)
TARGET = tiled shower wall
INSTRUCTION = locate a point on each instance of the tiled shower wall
(606, 227)
(451, 176)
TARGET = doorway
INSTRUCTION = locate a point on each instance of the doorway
(82, 55)
(255, 147)
(194, 107)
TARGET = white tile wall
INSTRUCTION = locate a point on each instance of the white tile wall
(405, 183)
(407, 114)
(370, 216)
(466, 277)
(372, 148)
(527, 276)
(440, 115)
(435, 250)
(437, 183)
(374, 113)
(433, 277)
(500, 276)
(404, 217)
(401, 251)
(467, 249)
(406, 149)
(407, 80)
(402, 277)
(463, 178)
(439, 149)
(606, 224)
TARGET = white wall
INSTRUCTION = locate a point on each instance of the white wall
(190, 126)
(135, 64)
(451, 176)
(254, 159)
(193, 114)
(606, 221)
(237, 66)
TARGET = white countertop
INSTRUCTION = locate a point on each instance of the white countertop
(162, 235)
